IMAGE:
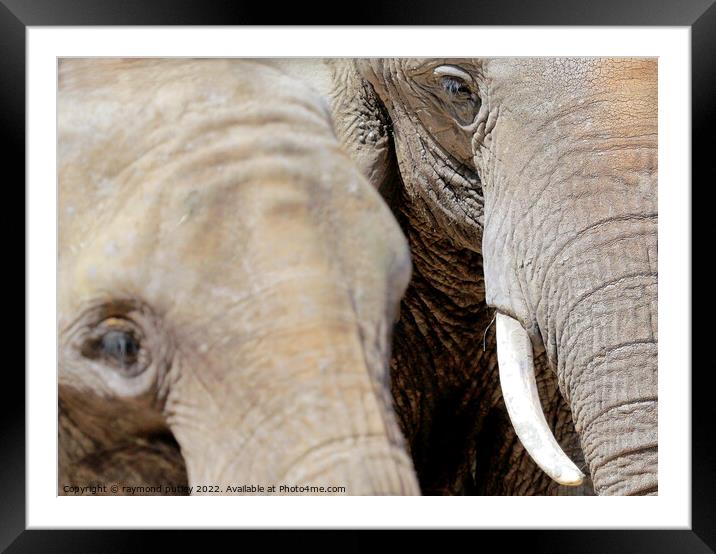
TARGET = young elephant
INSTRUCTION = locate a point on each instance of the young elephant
(526, 187)
(227, 280)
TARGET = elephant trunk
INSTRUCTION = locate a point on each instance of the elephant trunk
(603, 342)
(592, 300)
(606, 342)
(319, 425)
(291, 387)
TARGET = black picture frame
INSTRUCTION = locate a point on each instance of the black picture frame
(699, 15)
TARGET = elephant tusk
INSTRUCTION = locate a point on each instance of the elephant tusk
(519, 389)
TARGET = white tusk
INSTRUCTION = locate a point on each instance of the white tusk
(519, 389)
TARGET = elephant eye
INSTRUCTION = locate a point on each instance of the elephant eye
(121, 347)
(116, 342)
(456, 86)
(457, 93)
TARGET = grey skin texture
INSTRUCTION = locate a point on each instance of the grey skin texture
(227, 285)
(528, 187)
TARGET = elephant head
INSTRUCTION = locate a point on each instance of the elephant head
(528, 186)
(227, 280)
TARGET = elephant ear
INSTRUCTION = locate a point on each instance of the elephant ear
(362, 125)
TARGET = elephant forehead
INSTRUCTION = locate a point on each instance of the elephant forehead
(224, 198)
(113, 113)
(563, 76)
(136, 130)
(157, 174)
(181, 82)
(194, 247)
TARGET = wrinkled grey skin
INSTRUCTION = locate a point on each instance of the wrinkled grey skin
(526, 186)
(545, 210)
(227, 285)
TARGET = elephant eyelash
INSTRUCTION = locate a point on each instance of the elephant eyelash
(455, 86)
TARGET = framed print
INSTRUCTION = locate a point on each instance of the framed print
(303, 273)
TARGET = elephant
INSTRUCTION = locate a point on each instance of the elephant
(227, 283)
(527, 190)
(525, 197)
